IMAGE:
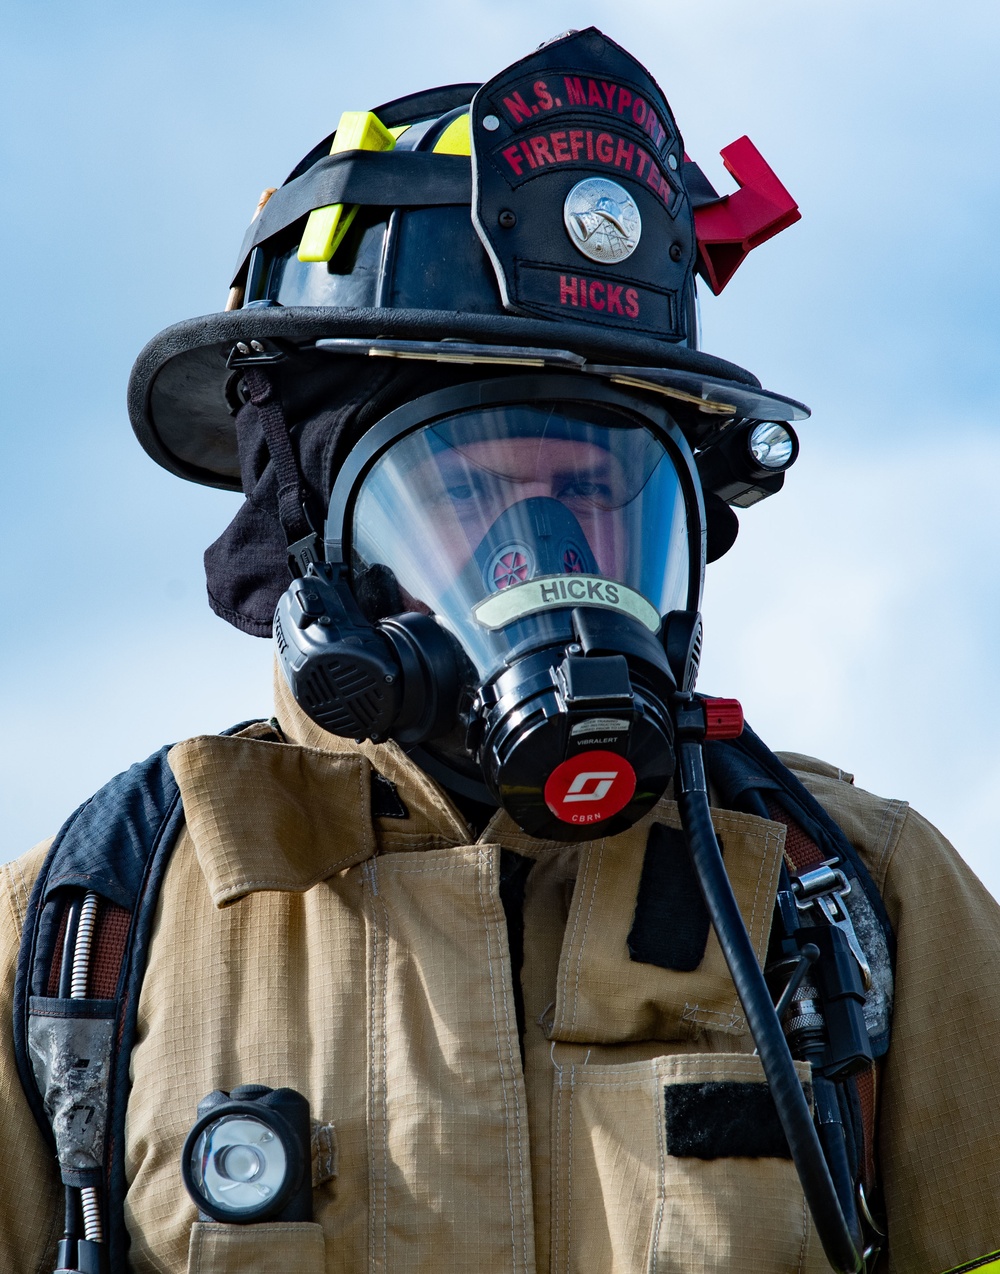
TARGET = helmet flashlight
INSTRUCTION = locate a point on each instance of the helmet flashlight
(773, 445)
(748, 462)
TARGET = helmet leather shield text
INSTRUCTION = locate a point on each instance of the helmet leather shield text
(577, 196)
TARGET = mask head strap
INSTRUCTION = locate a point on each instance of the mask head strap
(292, 508)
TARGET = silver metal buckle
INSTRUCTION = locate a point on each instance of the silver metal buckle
(826, 889)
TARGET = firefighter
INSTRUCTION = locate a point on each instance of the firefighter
(498, 947)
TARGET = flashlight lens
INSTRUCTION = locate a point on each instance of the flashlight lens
(772, 445)
(239, 1163)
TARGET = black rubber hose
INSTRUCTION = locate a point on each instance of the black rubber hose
(69, 948)
(830, 1127)
(71, 1205)
(843, 1250)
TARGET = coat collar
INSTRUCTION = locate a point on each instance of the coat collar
(433, 813)
(286, 808)
(285, 805)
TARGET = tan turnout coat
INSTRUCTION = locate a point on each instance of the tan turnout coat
(364, 962)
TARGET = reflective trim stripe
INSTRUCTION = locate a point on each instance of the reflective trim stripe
(989, 1264)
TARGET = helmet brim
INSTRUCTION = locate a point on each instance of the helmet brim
(181, 394)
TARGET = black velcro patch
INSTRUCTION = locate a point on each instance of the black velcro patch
(723, 1120)
(670, 926)
(386, 801)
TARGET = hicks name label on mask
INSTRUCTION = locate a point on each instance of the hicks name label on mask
(590, 787)
(549, 591)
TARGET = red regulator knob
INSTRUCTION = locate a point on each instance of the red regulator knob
(723, 718)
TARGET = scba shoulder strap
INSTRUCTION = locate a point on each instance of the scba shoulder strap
(749, 777)
(824, 875)
(826, 896)
(83, 955)
(85, 947)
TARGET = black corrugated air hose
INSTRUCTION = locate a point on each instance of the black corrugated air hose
(843, 1249)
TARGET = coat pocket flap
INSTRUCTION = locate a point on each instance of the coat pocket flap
(266, 1248)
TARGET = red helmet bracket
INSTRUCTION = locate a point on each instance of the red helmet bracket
(731, 228)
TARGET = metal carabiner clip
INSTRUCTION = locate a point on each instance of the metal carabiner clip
(826, 888)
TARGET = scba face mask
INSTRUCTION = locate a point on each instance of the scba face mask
(500, 561)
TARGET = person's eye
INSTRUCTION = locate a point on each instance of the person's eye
(459, 491)
(590, 492)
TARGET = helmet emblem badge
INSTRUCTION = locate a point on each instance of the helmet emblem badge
(602, 220)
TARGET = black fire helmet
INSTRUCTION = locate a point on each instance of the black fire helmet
(546, 219)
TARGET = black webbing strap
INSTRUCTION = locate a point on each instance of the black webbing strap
(291, 491)
(118, 845)
(381, 179)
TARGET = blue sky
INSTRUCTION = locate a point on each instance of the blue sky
(856, 618)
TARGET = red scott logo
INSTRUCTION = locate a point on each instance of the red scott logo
(590, 787)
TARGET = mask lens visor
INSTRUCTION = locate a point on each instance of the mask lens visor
(521, 501)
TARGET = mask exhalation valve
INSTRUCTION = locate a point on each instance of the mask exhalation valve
(578, 742)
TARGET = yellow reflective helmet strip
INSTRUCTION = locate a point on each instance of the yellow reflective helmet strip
(456, 139)
(326, 227)
(989, 1264)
